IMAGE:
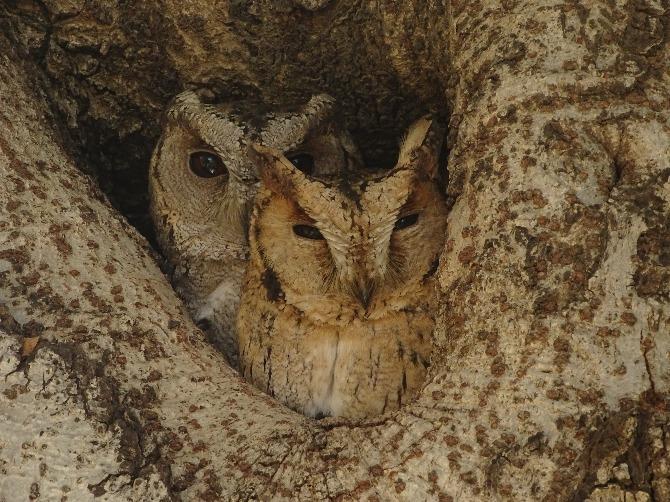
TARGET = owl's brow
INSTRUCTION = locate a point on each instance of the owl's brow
(219, 133)
(298, 214)
(413, 201)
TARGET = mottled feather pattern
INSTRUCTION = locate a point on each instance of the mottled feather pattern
(350, 334)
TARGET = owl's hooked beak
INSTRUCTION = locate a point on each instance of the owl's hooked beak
(363, 291)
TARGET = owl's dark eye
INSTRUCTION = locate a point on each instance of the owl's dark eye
(308, 232)
(207, 164)
(406, 221)
(303, 161)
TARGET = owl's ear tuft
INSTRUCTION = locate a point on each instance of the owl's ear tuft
(420, 148)
(276, 171)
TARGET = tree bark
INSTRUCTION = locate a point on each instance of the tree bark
(551, 371)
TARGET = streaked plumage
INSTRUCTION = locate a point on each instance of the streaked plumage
(338, 302)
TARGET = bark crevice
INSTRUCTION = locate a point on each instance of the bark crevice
(552, 332)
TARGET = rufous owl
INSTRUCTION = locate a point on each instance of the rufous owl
(338, 301)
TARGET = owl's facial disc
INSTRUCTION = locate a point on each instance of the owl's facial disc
(363, 237)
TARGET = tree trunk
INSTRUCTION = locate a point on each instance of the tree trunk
(551, 373)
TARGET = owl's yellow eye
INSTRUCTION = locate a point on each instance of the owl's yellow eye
(303, 161)
(308, 232)
(406, 221)
(207, 164)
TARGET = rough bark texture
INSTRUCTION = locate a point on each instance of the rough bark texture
(551, 377)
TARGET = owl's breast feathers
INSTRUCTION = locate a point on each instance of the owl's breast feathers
(322, 357)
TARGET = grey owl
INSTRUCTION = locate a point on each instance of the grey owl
(202, 181)
(336, 315)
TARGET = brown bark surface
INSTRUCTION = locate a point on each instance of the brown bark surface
(550, 381)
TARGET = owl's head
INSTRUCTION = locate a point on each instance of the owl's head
(351, 246)
(202, 180)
